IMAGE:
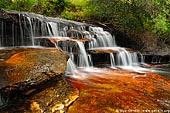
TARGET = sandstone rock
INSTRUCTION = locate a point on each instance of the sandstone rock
(26, 70)
(54, 98)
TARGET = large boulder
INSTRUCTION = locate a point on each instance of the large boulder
(27, 70)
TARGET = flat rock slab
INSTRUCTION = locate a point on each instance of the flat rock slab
(120, 91)
(27, 69)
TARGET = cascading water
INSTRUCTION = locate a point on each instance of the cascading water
(83, 55)
(85, 43)
(31, 29)
(106, 41)
(103, 38)
(69, 36)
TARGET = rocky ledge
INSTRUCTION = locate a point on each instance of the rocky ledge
(32, 81)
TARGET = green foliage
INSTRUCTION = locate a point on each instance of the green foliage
(134, 15)
(21, 5)
(76, 10)
(130, 15)
(45, 7)
(51, 7)
(4, 3)
(160, 24)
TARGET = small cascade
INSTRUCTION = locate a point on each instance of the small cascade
(83, 57)
(126, 58)
(31, 31)
(71, 67)
(103, 38)
(112, 60)
(120, 56)
(156, 59)
(53, 29)
(78, 39)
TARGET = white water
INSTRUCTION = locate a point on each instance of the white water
(71, 67)
(60, 31)
(112, 60)
(83, 57)
(124, 58)
(54, 29)
(99, 40)
(103, 38)
(31, 30)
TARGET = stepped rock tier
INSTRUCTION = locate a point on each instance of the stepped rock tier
(20, 28)
(29, 29)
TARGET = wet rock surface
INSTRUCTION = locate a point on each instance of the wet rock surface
(27, 70)
(118, 90)
(157, 59)
(101, 57)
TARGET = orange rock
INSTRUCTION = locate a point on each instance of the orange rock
(113, 91)
(25, 70)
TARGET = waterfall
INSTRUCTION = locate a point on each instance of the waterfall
(54, 29)
(83, 57)
(31, 31)
(74, 37)
(71, 67)
(112, 60)
(21, 31)
(124, 58)
(103, 38)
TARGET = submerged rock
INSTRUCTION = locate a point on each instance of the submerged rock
(120, 91)
(27, 70)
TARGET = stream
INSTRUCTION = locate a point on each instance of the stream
(110, 78)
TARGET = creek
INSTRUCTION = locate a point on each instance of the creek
(95, 61)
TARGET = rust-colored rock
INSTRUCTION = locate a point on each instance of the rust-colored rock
(120, 91)
(54, 98)
(24, 70)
